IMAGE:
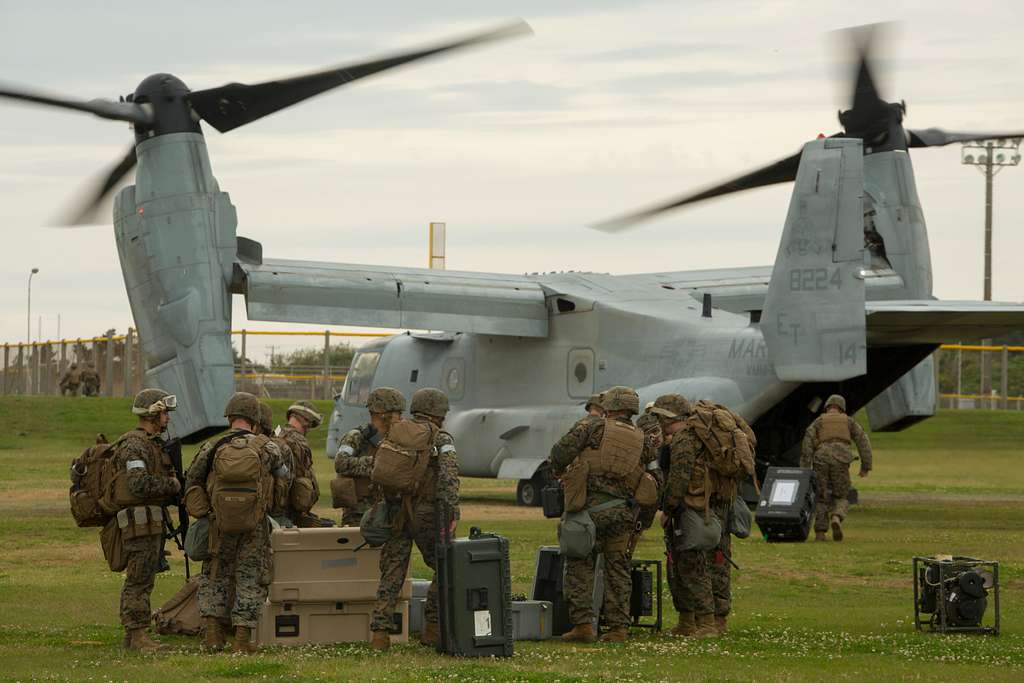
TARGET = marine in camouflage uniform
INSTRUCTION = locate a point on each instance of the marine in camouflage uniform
(90, 381)
(144, 483)
(428, 406)
(233, 584)
(689, 582)
(827, 448)
(614, 525)
(358, 446)
(70, 380)
(301, 418)
(654, 439)
(279, 508)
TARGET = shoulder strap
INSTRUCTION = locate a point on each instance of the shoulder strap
(213, 450)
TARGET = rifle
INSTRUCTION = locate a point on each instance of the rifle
(443, 524)
(173, 450)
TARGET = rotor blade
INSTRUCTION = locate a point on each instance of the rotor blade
(85, 210)
(236, 104)
(120, 111)
(865, 92)
(936, 137)
(781, 171)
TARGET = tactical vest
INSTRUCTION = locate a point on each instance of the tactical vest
(119, 495)
(619, 455)
(283, 485)
(834, 427)
(304, 490)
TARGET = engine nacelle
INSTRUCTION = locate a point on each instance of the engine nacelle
(176, 240)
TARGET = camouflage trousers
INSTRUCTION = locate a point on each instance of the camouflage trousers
(719, 569)
(688, 578)
(614, 527)
(394, 566)
(143, 554)
(833, 489)
(234, 582)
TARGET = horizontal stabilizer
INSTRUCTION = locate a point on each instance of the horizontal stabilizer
(903, 323)
(403, 298)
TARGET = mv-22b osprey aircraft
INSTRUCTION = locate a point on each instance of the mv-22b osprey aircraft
(847, 306)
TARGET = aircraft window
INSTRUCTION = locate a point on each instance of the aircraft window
(453, 380)
(360, 377)
(580, 371)
(414, 375)
(565, 306)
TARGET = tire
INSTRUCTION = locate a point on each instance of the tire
(528, 492)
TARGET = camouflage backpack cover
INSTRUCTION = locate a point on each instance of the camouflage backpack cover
(731, 453)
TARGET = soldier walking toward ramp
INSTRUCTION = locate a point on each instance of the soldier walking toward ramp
(232, 480)
(354, 460)
(613, 450)
(90, 380)
(144, 483)
(435, 479)
(70, 381)
(826, 448)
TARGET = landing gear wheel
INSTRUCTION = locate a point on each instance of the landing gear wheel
(528, 492)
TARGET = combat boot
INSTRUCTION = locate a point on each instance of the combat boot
(213, 639)
(580, 633)
(381, 640)
(616, 634)
(837, 528)
(243, 641)
(686, 625)
(429, 636)
(819, 536)
(705, 626)
(140, 641)
(720, 625)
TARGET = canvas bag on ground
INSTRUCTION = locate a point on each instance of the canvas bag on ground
(698, 534)
(197, 540)
(179, 616)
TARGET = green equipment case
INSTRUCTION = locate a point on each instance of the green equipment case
(475, 594)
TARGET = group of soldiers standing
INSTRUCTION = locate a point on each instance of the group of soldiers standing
(697, 453)
(74, 377)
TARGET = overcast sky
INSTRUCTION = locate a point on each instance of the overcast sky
(518, 146)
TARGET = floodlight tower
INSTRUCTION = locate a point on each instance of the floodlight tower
(990, 157)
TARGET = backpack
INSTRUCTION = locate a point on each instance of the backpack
(91, 475)
(240, 486)
(731, 455)
(403, 456)
(179, 616)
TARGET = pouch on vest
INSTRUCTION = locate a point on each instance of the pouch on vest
(197, 540)
(197, 503)
(646, 494)
(375, 524)
(302, 495)
(179, 616)
(91, 473)
(576, 535)
(343, 492)
(740, 518)
(552, 500)
(113, 546)
(694, 533)
(237, 483)
(574, 481)
(403, 456)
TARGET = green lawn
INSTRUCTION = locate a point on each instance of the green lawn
(954, 484)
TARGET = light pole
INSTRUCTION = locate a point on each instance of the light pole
(989, 157)
(28, 331)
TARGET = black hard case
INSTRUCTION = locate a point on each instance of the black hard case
(780, 523)
(475, 596)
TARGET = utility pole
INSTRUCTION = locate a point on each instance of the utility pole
(28, 332)
(989, 157)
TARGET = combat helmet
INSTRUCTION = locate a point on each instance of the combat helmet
(74, 366)
(152, 402)
(835, 400)
(429, 401)
(245, 405)
(594, 400)
(385, 400)
(648, 422)
(672, 406)
(266, 418)
(306, 410)
(621, 398)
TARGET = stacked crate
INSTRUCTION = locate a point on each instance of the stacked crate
(323, 589)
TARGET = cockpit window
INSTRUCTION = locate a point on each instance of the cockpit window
(360, 378)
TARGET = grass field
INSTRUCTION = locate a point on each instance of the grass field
(954, 484)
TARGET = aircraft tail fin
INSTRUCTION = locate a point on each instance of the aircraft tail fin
(813, 318)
